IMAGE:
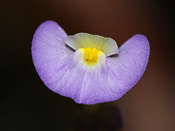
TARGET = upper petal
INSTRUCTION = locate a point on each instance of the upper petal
(85, 40)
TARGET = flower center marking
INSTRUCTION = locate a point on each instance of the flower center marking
(91, 55)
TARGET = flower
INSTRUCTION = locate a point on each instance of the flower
(90, 69)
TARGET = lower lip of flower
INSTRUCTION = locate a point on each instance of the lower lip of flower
(87, 73)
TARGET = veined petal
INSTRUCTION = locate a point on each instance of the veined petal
(85, 40)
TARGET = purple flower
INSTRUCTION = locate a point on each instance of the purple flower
(90, 69)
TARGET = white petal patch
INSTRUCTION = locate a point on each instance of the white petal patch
(79, 58)
(85, 40)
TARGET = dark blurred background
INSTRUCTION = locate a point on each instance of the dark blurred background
(27, 104)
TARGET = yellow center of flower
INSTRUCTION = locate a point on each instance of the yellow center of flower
(91, 55)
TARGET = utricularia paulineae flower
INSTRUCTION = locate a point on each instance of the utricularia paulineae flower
(90, 69)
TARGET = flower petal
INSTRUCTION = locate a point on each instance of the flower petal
(85, 40)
